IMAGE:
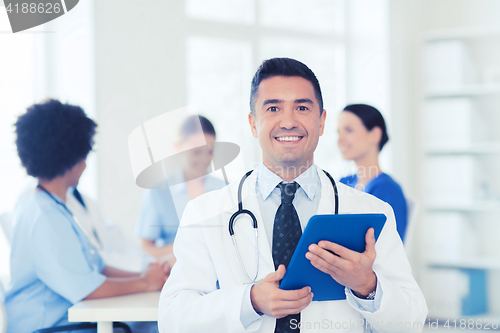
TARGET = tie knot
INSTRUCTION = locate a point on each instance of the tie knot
(288, 191)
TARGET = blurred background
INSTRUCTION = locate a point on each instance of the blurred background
(432, 67)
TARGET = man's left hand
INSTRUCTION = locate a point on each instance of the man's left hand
(349, 268)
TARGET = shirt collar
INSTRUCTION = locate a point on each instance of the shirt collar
(268, 180)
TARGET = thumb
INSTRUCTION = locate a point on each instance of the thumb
(278, 274)
(370, 242)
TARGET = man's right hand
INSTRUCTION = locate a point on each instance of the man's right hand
(155, 277)
(267, 298)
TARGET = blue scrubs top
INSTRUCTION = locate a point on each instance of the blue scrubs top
(53, 265)
(386, 189)
(162, 210)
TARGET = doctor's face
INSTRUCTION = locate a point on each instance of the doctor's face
(287, 121)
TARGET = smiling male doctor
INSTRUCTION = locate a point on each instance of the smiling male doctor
(209, 289)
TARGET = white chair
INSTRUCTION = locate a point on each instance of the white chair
(413, 207)
(6, 225)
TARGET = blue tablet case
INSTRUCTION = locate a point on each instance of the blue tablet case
(348, 230)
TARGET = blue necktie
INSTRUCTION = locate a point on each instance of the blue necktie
(286, 235)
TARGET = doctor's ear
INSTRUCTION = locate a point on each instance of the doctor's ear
(253, 125)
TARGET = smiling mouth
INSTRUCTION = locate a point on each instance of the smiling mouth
(288, 138)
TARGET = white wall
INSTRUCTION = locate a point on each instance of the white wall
(68, 71)
(367, 62)
(405, 25)
(441, 14)
(140, 73)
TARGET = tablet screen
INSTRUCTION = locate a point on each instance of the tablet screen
(348, 230)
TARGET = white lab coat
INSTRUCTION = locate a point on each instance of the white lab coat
(191, 302)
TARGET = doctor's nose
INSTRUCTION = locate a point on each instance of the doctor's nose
(288, 119)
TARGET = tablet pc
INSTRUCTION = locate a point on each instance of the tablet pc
(348, 230)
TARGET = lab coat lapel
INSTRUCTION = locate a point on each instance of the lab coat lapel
(252, 204)
(327, 201)
(244, 232)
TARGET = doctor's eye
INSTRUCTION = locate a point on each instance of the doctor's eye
(303, 108)
(273, 109)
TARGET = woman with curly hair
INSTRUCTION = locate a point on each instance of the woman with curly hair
(54, 262)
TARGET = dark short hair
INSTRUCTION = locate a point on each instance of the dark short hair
(284, 67)
(52, 138)
(192, 126)
(370, 117)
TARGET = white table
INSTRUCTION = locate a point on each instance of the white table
(105, 311)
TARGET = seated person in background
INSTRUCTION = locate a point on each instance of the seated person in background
(116, 249)
(362, 135)
(162, 210)
(54, 262)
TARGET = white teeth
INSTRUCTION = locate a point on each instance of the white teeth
(288, 138)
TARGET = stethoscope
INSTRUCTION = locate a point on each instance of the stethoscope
(242, 211)
(96, 246)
